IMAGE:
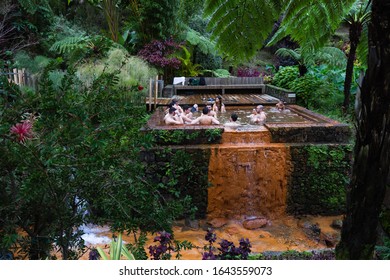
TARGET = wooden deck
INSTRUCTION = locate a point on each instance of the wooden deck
(228, 99)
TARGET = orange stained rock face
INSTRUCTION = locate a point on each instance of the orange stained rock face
(249, 180)
(238, 135)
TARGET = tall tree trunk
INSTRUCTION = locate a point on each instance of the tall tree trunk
(372, 150)
(355, 32)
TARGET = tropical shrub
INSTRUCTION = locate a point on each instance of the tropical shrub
(35, 65)
(219, 73)
(204, 51)
(69, 156)
(319, 89)
(285, 76)
(20, 25)
(308, 89)
(188, 69)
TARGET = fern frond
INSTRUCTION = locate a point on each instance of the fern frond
(279, 35)
(362, 49)
(359, 12)
(241, 27)
(329, 55)
(294, 54)
(70, 44)
(205, 45)
(318, 19)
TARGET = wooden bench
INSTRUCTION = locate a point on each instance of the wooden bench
(233, 85)
(222, 86)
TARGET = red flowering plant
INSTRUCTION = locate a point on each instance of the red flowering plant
(24, 130)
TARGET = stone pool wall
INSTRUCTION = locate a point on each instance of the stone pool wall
(298, 169)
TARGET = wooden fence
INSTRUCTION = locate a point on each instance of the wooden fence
(19, 77)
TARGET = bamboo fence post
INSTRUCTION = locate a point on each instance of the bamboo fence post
(150, 94)
(22, 77)
(155, 94)
(15, 76)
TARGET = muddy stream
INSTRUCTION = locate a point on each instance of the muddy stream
(283, 234)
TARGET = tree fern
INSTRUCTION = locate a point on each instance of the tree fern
(310, 23)
(362, 49)
(241, 27)
(81, 46)
(205, 45)
(357, 18)
(294, 54)
(304, 58)
(70, 44)
(329, 55)
(360, 15)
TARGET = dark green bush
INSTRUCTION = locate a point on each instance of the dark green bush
(81, 164)
(285, 76)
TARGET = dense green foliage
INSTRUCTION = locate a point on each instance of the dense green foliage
(180, 174)
(230, 22)
(316, 192)
(285, 76)
(320, 89)
(184, 137)
(331, 188)
(81, 164)
(85, 114)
